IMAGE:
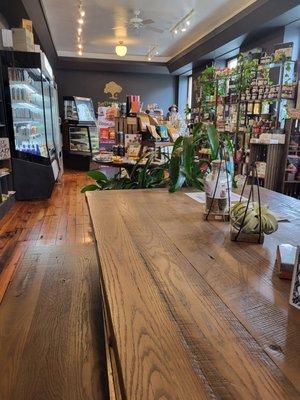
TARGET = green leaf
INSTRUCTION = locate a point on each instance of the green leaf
(90, 188)
(214, 141)
(97, 175)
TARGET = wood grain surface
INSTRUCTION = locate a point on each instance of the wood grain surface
(51, 328)
(63, 219)
(193, 314)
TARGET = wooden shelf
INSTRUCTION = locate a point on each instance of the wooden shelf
(4, 174)
(156, 144)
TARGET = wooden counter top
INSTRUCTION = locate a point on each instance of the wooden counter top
(191, 314)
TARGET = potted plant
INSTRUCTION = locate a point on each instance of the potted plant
(251, 221)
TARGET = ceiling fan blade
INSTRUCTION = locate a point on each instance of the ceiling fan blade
(153, 29)
(147, 21)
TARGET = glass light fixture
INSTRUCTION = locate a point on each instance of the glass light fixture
(176, 31)
(82, 13)
(80, 21)
(121, 49)
(188, 23)
(80, 52)
(183, 29)
(80, 46)
(79, 30)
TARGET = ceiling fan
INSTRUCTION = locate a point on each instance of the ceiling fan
(137, 23)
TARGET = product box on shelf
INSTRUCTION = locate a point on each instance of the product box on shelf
(22, 40)
(6, 39)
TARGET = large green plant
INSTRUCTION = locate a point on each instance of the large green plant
(143, 176)
(185, 167)
(182, 169)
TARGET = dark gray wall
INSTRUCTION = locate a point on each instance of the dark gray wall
(265, 40)
(152, 88)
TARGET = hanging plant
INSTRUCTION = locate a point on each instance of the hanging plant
(205, 83)
(246, 71)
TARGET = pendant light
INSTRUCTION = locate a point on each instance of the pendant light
(121, 49)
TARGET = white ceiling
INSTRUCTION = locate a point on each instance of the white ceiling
(99, 39)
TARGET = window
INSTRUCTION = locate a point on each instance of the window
(190, 91)
(232, 63)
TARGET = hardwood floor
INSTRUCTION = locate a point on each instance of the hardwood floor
(63, 219)
(51, 326)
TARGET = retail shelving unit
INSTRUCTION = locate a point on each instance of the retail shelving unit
(7, 195)
(290, 166)
(246, 111)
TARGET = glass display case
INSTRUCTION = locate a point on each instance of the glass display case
(80, 132)
(28, 81)
(25, 86)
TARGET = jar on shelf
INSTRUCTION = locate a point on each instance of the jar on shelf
(218, 188)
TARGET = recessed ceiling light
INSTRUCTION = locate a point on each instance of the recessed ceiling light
(80, 21)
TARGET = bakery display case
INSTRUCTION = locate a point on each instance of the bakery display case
(80, 133)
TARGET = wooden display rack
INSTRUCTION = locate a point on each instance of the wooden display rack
(131, 126)
(127, 125)
(272, 154)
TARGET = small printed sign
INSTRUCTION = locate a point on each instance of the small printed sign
(4, 149)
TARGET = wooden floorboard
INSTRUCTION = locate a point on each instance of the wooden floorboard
(51, 327)
(63, 219)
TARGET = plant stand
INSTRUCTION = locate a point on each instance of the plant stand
(246, 237)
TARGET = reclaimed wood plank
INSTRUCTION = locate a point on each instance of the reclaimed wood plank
(204, 284)
(149, 345)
